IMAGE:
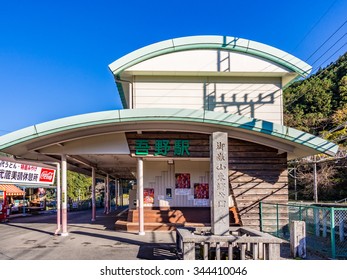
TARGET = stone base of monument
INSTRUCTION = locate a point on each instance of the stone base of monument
(241, 244)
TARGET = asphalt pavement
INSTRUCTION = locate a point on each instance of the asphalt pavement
(32, 238)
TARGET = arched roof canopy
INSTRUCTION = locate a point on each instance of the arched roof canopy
(59, 132)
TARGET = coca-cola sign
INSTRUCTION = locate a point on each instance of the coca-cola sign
(47, 175)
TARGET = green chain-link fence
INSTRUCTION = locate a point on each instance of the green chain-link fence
(326, 227)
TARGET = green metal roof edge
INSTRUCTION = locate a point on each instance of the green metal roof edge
(180, 115)
(211, 42)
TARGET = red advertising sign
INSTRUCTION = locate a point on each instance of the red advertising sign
(47, 175)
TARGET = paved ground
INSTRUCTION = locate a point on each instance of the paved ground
(32, 238)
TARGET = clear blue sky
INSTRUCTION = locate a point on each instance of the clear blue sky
(54, 55)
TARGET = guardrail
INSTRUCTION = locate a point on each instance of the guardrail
(326, 227)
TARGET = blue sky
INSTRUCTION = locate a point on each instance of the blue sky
(54, 55)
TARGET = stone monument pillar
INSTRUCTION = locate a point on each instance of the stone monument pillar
(219, 183)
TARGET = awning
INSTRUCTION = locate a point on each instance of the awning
(11, 190)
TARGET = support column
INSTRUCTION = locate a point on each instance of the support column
(58, 201)
(118, 196)
(107, 195)
(93, 196)
(140, 195)
(315, 183)
(64, 195)
(115, 194)
(24, 201)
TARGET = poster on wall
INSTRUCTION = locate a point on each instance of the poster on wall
(201, 191)
(148, 196)
(182, 180)
(168, 194)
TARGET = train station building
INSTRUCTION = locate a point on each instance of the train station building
(176, 94)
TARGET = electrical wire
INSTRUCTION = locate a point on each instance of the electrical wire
(326, 41)
(332, 54)
(314, 26)
(319, 74)
(328, 51)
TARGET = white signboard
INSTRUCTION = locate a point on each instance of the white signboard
(182, 192)
(201, 202)
(15, 172)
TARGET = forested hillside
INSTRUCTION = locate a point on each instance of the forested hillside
(318, 105)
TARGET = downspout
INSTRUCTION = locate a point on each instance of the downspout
(131, 93)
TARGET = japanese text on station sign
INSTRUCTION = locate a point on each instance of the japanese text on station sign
(162, 147)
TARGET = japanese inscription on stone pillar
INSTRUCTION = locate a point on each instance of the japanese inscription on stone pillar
(219, 182)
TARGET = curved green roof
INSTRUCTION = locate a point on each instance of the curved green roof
(211, 42)
(85, 124)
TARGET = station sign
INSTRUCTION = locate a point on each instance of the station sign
(16, 172)
(162, 147)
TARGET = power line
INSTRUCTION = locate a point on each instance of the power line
(326, 41)
(333, 54)
(301, 95)
(314, 26)
(328, 51)
(319, 74)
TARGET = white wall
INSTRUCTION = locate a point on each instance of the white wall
(256, 97)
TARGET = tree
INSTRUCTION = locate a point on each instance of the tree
(78, 185)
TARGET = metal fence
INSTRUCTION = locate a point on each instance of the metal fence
(326, 227)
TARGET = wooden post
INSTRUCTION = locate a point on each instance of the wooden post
(206, 250)
(274, 251)
(316, 221)
(325, 213)
(341, 226)
(255, 251)
(188, 251)
(218, 251)
(230, 251)
(298, 239)
(243, 251)
(261, 251)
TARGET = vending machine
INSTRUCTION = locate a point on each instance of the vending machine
(3, 207)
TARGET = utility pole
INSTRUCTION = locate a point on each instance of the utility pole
(315, 183)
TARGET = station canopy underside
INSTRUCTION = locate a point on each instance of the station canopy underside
(99, 139)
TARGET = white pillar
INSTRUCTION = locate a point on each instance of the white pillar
(93, 196)
(140, 195)
(58, 201)
(64, 195)
(115, 193)
(108, 194)
(118, 193)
